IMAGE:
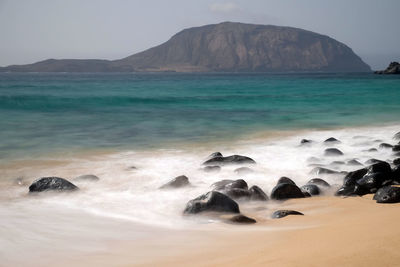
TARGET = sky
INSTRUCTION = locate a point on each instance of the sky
(34, 30)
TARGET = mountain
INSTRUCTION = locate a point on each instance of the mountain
(229, 47)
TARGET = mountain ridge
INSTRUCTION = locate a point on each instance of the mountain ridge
(224, 47)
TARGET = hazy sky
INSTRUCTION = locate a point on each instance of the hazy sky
(111, 29)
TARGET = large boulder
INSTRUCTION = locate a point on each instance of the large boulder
(387, 194)
(234, 159)
(286, 191)
(177, 182)
(51, 184)
(257, 194)
(212, 201)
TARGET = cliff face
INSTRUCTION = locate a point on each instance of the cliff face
(231, 47)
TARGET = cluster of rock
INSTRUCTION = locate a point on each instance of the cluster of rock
(393, 68)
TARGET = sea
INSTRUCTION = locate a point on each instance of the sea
(137, 131)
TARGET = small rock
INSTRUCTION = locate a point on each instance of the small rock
(320, 170)
(240, 183)
(312, 189)
(305, 142)
(283, 213)
(337, 162)
(87, 178)
(397, 136)
(177, 182)
(257, 194)
(372, 150)
(333, 152)
(396, 161)
(241, 219)
(332, 140)
(215, 154)
(211, 168)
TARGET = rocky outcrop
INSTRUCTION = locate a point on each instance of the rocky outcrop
(393, 68)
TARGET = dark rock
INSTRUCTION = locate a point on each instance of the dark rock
(285, 180)
(221, 184)
(257, 194)
(320, 170)
(397, 136)
(51, 184)
(393, 68)
(385, 145)
(397, 154)
(319, 182)
(214, 155)
(240, 183)
(396, 148)
(373, 181)
(351, 190)
(354, 162)
(235, 159)
(372, 150)
(286, 191)
(87, 177)
(332, 140)
(177, 182)
(352, 177)
(212, 168)
(387, 194)
(243, 170)
(283, 213)
(382, 167)
(306, 194)
(212, 201)
(241, 219)
(237, 193)
(373, 161)
(305, 142)
(312, 189)
(396, 161)
(396, 174)
(337, 162)
(333, 152)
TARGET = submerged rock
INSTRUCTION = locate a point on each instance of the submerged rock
(211, 168)
(283, 213)
(385, 145)
(240, 219)
(354, 162)
(311, 189)
(396, 148)
(87, 178)
(212, 201)
(243, 170)
(320, 170)
(286, 191)
(305, 142)
(373, 161)
(52, 184)
(230, 184)
(257, 194)
(332, 140)
(177, 182)
(387, 194)
(319, 182)
(215, 154)
(397, 136)
(234, 159)
(221, 184)
(333, 152)
(285, 180)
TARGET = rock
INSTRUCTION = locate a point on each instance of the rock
(240, 219)
(396, 161)
(332, 140)
(354, 162)
(313, 160)
(237, 193)
(320, 170)
(385, 145)
(372, 150)
(211, 168)
(305, 142)
(286, 191)
(243, 170)
(333, 152)
(87, 178)
(393, 68)
(235, 159)
(312, 189)
(214, 155)
(285, 180)
(373, 161)
(212, 201)
(319, 182)
(373, 181)
(257, 194)
(396, 174)
(397, 154)
(352, 177)
(351, 190)
(397, 136)
(221, 184)
(382, 167)
(336, 162)
(396, 148)
(283, 213)
(387, 194)
(52, 184)
(240, 183)
(177, 182)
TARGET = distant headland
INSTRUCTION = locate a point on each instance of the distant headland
(224, 47)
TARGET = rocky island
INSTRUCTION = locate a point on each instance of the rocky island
(224, 47)
(393, 68)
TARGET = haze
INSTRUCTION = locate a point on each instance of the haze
(36, 30)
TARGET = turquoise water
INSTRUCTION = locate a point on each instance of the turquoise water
(41, 113)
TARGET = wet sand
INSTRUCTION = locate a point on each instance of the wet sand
(335, 231)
